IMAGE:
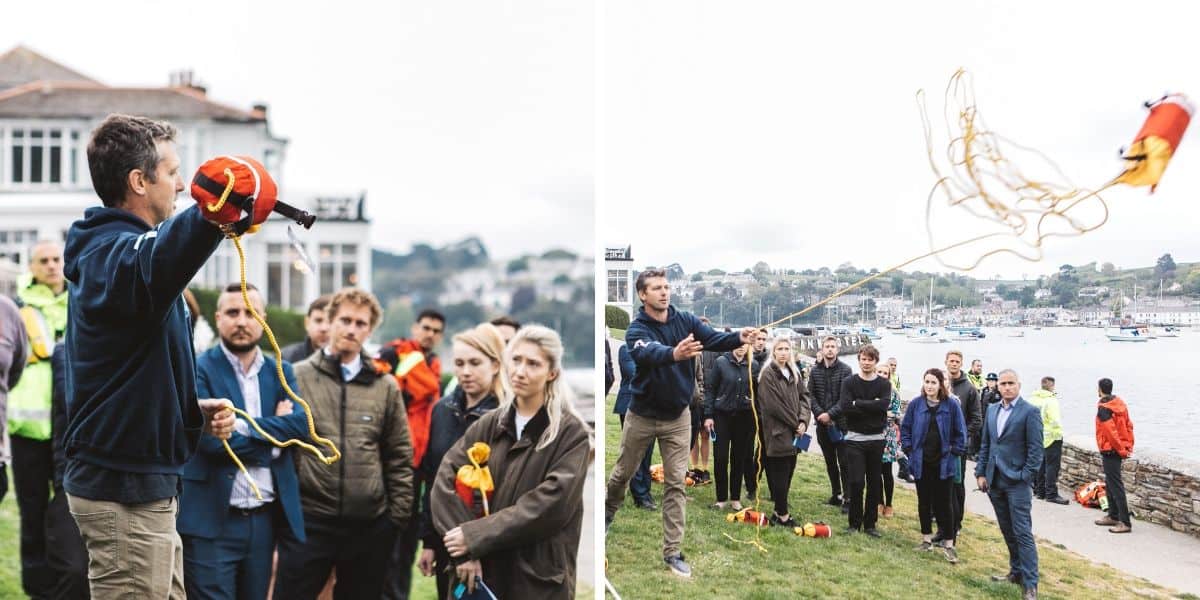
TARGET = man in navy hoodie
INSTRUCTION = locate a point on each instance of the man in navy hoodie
(133, 415)
(663, 343)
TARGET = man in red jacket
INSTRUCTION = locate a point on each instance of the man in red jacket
(418, 372)
(1114, 438)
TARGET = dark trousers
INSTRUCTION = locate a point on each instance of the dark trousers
(733, 451)
(1114, 488)
(236, 564)
(864, 467)
(33, 475)
(66, 554)
(960, 496)
(639, 485)
(834, 461)
(359, 550)
(398, 582)
(889, 484)
(779, 480)
(1045, 483)
(1013, 502)
(935, 501)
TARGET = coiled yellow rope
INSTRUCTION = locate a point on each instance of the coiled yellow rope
(312, 428)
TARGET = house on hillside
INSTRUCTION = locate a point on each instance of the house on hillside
(47, 113)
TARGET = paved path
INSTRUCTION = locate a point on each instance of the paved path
(1154, 552)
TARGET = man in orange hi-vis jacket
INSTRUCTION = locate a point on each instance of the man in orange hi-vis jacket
(418, 371)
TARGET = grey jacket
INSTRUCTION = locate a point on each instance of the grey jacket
(14, 350)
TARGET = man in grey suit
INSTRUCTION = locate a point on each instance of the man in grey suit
(1010, 454)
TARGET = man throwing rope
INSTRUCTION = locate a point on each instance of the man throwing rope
(663, 342)
(134, 415)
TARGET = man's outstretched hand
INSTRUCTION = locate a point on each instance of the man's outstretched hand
(218, 418)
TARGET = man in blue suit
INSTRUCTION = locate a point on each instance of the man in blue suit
(1010, 454)
(228, 533)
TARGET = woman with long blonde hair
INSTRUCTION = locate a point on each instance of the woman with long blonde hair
(539, 451)
(482, 381)
(783, 404)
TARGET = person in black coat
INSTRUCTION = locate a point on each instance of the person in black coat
(824, 387)
(727, 411)
(478, 364)
(66, 554)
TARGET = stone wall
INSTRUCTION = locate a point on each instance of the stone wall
(1161, 489)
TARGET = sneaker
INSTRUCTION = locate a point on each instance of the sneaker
(924, 547)
(951, 554)
(1120, 528)
(677, 566)
(646, 504)
(717, 506)
(850, 530)
(834, 500)
(873, 532)
(938, 538)
(1107, 521)
(705, 477)
(1058, 500)
(736, 506)
(790, 522)
(1009, 577)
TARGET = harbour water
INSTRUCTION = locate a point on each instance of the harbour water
(1159, 379)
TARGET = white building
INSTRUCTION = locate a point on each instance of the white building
(47, 113)
(618, 270)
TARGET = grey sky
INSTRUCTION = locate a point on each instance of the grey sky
(788, 132)
(458, 119)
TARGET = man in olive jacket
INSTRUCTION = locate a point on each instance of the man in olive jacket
(354, 507)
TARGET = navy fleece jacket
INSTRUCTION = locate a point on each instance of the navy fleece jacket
(662, 387)
(130, 369)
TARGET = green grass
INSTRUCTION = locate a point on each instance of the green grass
(844, 566)
(10, 562)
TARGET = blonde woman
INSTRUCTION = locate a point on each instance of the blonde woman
(540, 450)
(479, 367)
(783, 402)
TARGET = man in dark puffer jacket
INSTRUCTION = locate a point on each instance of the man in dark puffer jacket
(825, 385)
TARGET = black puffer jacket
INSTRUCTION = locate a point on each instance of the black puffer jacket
(968, 396)
(727, 389)
(825, 385)
(450, 420)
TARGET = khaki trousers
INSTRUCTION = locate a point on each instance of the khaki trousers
(674, 444)
(133, 549)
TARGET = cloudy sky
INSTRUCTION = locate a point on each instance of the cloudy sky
(457, 119)
(789, 132)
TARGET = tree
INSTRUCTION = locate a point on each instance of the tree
(523, 298)
(517, 265)
(698, 277)
(897, 283)
(698, 293)
(761, 269)
(716, 272)
(1165, 267)
(1108, 269)
(1026, 296)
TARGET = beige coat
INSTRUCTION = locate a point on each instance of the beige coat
(784, 405)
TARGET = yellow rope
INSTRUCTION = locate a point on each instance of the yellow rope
(224, 195)
(308, 413)
(976, 155)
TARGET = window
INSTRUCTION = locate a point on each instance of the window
(618, 285)
(15, 244)
(286, 277)
(41, 157)
(338, 266)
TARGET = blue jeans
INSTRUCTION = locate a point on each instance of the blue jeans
(1013, 501)
(639, 485)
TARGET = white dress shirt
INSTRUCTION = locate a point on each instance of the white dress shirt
(242, 495)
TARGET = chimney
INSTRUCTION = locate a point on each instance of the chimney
(184, 78)
(259, 110)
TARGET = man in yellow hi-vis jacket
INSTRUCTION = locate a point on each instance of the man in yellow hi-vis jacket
(42, 297)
